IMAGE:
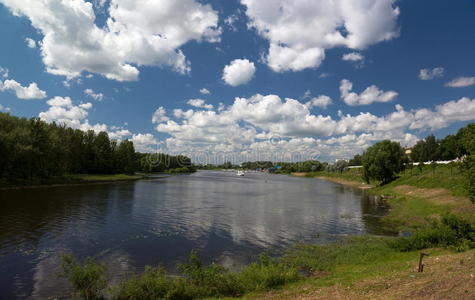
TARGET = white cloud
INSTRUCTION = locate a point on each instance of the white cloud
(353, 56)
(119, 134)
(461, 82)
(300, 31)
(270, 124)
(145, 142)
(3, 72)
(23, 92)
(205, 91)
(159, 115)
(369, 95)
(135, 33)
(321, 101)
(30, 42)
(96, 96)
(4, 108)
(230, 20)
(239, 71)
(429, 74)
(200, 103)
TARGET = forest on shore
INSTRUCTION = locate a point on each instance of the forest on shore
(32, 151)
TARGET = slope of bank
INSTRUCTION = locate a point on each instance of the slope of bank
(414, 196)
(445, 276)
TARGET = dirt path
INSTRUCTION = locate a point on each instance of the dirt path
(450, 276)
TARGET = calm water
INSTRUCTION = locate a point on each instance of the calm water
(126, 226)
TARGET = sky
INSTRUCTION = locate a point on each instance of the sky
(242, 80)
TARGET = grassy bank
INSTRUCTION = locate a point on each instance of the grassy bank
(415, 195)
(72, 179)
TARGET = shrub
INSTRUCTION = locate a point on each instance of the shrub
(452, 231)
(266, 274)
(153, 283)
(468, 167)
(88, 278)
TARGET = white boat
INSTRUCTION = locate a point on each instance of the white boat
(240, 173)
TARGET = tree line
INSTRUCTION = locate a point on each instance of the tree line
(33, 149)
(384, 160)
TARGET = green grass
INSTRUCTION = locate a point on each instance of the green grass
(409, 211)
(350, 174)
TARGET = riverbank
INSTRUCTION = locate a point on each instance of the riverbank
(354, 264)
(72, 180)
(414, 196)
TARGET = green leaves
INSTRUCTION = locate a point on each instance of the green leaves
(383, 161)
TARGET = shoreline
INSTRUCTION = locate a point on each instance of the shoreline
(79, 182)
(352, 183)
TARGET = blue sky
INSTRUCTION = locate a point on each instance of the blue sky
(151, 62)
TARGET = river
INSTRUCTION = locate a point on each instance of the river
(128, 225)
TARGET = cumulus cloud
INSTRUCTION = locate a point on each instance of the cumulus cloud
(3, 72)
(4, 108)
(30, 42)
(160, 115)
(32, 91)
(369, 95)
(145, 143)
(62, 110)
(429, 74)
(200, 103)
(300, 31)
(91, 94)
(239, 71)
(461, 82)
(270, 124)
(205, 91)
(321, 101)
(353, 56)
(135, 33)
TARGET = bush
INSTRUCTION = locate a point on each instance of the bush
(210, 281)
(452, 231)
(468, 168)
(153, 284)
(89, 278)
(266, 274)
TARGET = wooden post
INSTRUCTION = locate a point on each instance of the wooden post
(421, 265)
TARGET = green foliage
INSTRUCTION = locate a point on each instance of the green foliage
(266, 274)
(286, 167)
(383, 161)
(451, 231)
(198, 281)
(357, 160)
(33, 151)
(468, 167)
(88, 278)
(357, 250)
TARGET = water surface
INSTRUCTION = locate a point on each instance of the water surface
(128, 225)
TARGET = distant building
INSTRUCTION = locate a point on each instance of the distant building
(408, 151)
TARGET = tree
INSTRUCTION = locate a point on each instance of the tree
(466, 137)
(125, 158)
(383, 161)
(340, 166)
(103, 150)
(450, 148)
(357, 160)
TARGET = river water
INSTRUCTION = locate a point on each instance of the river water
(129, 225)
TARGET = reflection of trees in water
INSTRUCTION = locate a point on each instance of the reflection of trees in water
(38, 224)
